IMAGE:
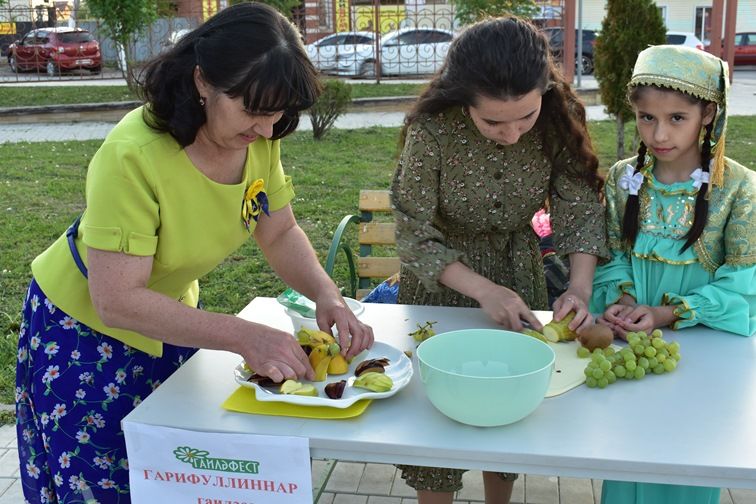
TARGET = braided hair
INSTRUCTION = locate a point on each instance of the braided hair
(631, 218)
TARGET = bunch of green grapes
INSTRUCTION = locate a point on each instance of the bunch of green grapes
(643, 355)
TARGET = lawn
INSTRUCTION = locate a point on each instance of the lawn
(42, 190)
(24, 96)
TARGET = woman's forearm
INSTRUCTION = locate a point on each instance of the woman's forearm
(462, 279)
(582, 268)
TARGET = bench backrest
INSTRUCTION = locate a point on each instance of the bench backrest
(373, 232)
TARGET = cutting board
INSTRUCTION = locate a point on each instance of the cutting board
(568, 368)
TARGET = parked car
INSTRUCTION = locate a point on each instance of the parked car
(556, 43)
(414, 51)
(745, 49)
(342, 53)
(684, 38)
(407, 51)
(55, 50)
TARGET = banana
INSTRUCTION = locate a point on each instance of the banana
(320, 358)
(377, 382)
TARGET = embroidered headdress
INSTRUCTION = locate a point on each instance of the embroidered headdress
(696, 73)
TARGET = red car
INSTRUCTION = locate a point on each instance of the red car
(55, 50)
(745, 48)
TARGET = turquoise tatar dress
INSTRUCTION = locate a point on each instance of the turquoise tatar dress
(656, 272)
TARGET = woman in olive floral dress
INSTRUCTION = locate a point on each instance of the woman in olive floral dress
(497, 135)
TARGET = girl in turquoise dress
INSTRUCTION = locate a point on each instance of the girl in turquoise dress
(681, 224)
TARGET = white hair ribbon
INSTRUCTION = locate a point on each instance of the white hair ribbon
(699, 177)
(631, 181)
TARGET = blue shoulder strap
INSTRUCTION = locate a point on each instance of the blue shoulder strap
(71, 233)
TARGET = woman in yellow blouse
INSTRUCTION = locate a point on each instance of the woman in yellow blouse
(176, 187)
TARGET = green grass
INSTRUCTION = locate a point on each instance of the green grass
(26, 96)
(42, 190)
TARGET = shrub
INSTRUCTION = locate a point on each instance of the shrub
(332, 103)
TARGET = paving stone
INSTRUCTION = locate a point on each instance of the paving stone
(326, 498)
(518, 492)
(575, 491)
(377, 479)
(406, 500)
(13, 495)
(596, 484)
(472, 488)
(725, 497)
(400, 489)
(345, 477)
(742, 496)
(348, 498)
(7, 436)
(379, 499)
(541, 489)
(9, 465)
(5, 484)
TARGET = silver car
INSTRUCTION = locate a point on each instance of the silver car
(342, 53)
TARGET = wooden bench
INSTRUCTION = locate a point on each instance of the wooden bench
(371, 232)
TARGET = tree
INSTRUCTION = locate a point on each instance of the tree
(283, 6)
(469, 11)
(629, 27)
(122, 21)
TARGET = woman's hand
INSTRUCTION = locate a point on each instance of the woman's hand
(505, 307)
(275, 354)
(353, 335)
(573, 300)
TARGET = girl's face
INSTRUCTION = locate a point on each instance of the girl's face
(670, 124)
(229, 125)
(505, 121)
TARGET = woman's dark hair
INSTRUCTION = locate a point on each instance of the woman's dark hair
(631, 219)
(505, 58)
(247, 50)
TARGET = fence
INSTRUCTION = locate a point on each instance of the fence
(411, 39)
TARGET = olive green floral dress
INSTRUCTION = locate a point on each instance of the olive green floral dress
(458, 196)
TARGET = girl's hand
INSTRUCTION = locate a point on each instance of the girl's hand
(615, 316)
(505, 307)
(353, 335)
(647, 318)
(573, 301)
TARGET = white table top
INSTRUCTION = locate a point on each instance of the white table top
(696, 425)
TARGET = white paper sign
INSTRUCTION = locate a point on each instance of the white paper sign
(184, 466)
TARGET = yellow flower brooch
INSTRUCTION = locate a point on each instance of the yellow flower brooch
(255, 202)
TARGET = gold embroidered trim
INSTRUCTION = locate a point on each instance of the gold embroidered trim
(748, 260)
(680, 311)
(703, 255)
(656, 257)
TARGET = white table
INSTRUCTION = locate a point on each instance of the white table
(696, 425)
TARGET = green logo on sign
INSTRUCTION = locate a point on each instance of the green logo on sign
(199, 459)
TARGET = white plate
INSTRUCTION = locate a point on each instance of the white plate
(399, 369)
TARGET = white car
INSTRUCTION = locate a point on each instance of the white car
(407, 51)
(414, 51)
(342, 53)
(684, 38)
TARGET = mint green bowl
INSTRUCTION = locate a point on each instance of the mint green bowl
(485, 377)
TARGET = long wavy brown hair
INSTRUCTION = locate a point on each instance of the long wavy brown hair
(505, 58)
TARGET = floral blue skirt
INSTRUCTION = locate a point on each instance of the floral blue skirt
(73, 387)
